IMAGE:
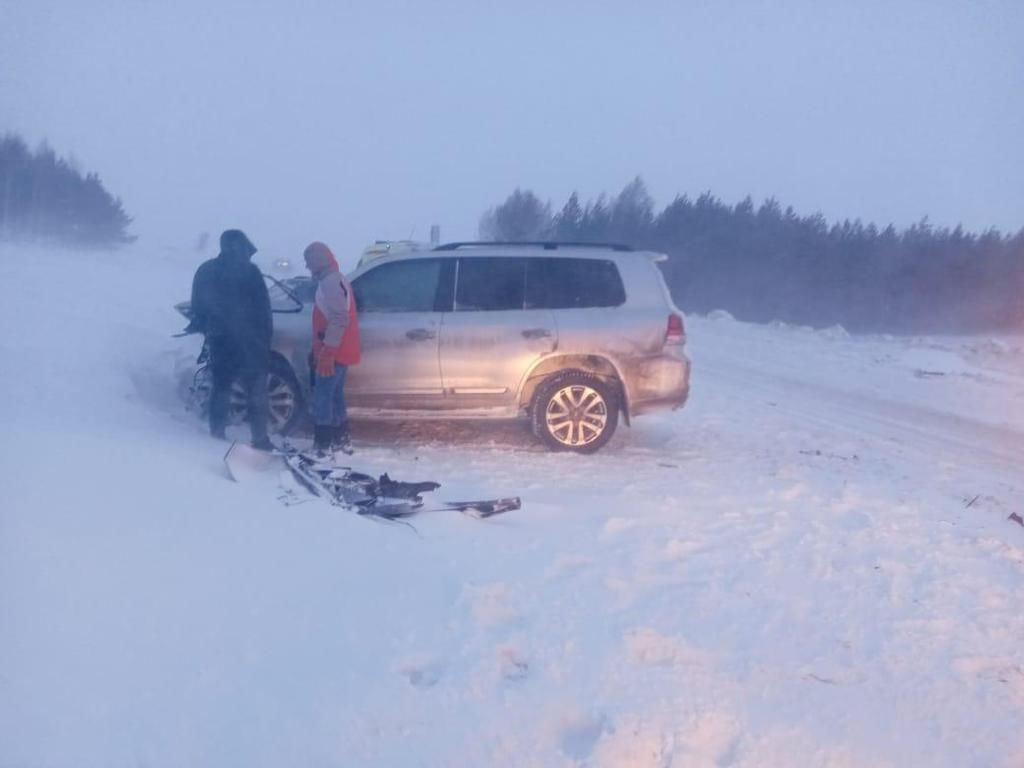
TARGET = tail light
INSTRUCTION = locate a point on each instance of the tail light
(676, 333)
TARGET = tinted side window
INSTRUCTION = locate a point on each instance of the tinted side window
(489, 284)
(401, 286)
(563, 283)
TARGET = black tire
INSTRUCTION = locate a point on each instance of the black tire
(575, 411)
(283, 394)
(283, 371)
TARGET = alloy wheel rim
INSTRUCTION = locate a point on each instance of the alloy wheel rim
(576, 415)
(280, 398)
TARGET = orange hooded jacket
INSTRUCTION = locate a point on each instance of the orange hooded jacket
(325, 269)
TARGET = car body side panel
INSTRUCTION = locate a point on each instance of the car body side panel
(395, 371)
(399, 363)
(293, 333)
(633, 341)
(484, 354)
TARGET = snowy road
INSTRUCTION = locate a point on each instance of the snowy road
(809, 565)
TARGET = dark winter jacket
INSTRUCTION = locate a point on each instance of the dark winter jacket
(229, 296)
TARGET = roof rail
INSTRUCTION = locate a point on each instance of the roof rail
(547, 245)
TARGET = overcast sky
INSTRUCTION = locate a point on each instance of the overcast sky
(323, 119)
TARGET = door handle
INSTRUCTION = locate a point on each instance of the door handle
(536, 333)
(419, 334)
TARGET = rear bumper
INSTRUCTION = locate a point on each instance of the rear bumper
(659, 384)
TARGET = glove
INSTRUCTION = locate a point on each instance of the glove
(325, 361)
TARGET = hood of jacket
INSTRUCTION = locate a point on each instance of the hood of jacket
(235, 246)
(320, 260)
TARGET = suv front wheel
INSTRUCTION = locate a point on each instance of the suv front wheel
(283, 395)
(575, 411)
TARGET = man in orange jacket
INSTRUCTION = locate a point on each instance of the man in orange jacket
(335, 348)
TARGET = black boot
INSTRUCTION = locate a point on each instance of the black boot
(341, 440)
(322, 440)
(263, 444)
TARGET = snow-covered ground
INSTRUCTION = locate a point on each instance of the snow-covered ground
(810, 565)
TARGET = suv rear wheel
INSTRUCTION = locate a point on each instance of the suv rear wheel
(575, 411)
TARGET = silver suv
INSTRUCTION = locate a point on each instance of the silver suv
(568, 336)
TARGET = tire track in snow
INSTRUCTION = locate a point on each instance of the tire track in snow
(932, 433)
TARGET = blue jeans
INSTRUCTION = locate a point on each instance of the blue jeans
(329, 399)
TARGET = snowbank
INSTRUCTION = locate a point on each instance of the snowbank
(809, 565)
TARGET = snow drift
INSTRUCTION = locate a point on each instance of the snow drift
(809, 565)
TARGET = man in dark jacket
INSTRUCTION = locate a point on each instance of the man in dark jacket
(230, 304)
